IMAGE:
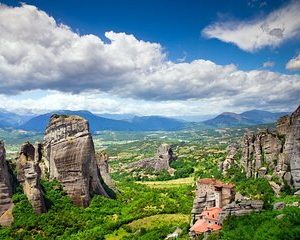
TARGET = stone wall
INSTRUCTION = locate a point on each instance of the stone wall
(211, 193)
(241, 208)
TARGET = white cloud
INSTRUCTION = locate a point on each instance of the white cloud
(271, 30)
(88, 73)
(268, 64)
(294, 63)
(46, 101)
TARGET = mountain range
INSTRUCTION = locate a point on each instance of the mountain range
(248, 118)
(129, 122)
(98, 123)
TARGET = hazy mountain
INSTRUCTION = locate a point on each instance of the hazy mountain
(152, 123)
(97, 123)
(9, 119)
(117, 116)
(249, 118)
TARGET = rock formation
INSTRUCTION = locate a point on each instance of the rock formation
(161, 161)
(211, 193)
(273, 154)
(232, 151)
(259, 151)
(102, 162)
(241, 208)
(292, 147)
(28, 174)
(70, 151)
(6, 190)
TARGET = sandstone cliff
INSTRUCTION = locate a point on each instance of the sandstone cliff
(273, 154)
(231, 158)
(292, 147)
(28, 174)
(102, 162)
(6, 190)
(161, 161)
(71, 155)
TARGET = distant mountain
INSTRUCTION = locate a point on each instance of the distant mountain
(9, 119)
(117, 116)
(249, 118)
(153, 123)
(97, 123)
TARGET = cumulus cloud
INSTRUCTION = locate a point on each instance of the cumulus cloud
(268, 64)
(36, 52)
(294, 63)
(271, 30)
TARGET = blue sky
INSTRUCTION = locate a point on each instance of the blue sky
(224, 50)
(176, 25)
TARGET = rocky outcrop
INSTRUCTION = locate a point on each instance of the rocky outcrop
(6, 190)
(71, 155)
(274, 154)
(260, 150)
(232, 152)
(28, 174)
(161, 161)
(102, 162)
(241, 208)
(211, 193)
(292, 147)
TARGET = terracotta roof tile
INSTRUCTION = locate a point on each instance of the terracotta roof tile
(215, 182)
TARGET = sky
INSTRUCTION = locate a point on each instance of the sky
(159, 57)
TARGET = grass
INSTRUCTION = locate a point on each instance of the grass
(169, 183)
(149, 223)
(159, 220)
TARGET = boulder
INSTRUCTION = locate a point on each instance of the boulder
(70, 152)
(278, 205)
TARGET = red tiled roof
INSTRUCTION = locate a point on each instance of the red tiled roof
(211, 213)
(215, 182)
(202, 226)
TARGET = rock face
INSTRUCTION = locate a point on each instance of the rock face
(267, 154)
(241, 208)
(71, 155)
(28, 174)
(232, 150)
(102, 162)
(161, 161)
(211, 193)
(292, 147)
(260, 150)
(6, 189)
